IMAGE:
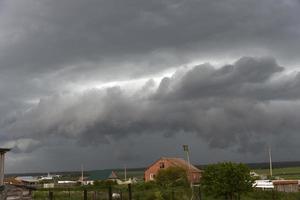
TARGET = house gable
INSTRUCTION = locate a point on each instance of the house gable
(165, 162)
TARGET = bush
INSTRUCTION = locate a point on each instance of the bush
(146, 185)
(227, 180)
(104, 184)
(172, 177)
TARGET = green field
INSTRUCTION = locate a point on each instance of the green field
(285, 173)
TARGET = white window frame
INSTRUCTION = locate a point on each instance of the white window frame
(152, 176)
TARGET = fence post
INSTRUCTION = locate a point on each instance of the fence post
(109, 192)
(95, 195)
(273, 194)
(199, 192)
(121, 195)
(84, 194)
(50, 195)
(129, 192)
(172, 194)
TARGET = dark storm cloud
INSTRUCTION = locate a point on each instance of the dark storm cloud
(48, 35)
(53, 53)
(46, 45)
(224, 106)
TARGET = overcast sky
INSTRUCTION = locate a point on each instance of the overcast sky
(109, 83)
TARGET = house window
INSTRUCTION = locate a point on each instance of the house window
(152, 177)
(161, 165)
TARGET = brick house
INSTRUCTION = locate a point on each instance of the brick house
(164, 163)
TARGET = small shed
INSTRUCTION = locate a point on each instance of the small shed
(263, 184)
(286, 185)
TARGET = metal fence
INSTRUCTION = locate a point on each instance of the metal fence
(108, 193)
(117, 193)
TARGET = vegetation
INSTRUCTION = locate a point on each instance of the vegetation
(165, 191)
(156, 193)
(286, 172)
(227, 180)
(172, 177)
(104, 184)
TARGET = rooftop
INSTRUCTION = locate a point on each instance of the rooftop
(179, 162)
(285, 182)
(4, 150)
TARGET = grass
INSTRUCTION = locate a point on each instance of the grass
(150, 193)
(76, 193)
(285, 173)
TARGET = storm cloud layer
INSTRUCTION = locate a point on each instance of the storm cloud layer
(238, 105)
(121, 75)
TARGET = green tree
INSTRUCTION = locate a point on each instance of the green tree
(171, 177)
(226, 180)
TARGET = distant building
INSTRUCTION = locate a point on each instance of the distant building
(49, 177)
(128, 181)
(194, 174)
(66, 182)
(27, 180)
(46, 178)
(102, 175)
(286, 185)
(254, 174)
(12, 181)
(263, 184)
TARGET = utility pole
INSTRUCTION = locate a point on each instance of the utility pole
(270, 160)
(186, 150)
(2, 187)
(81, 174)
(125, 173)
(2, 158)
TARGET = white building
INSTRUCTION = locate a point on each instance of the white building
(263, 184)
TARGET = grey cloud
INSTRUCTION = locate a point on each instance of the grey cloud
(211, 102)
(48, 49)
(52, 35)
(25, 145)
(236, 79)
(46, 46)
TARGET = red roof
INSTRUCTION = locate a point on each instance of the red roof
(178, 162)
(285, 182)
